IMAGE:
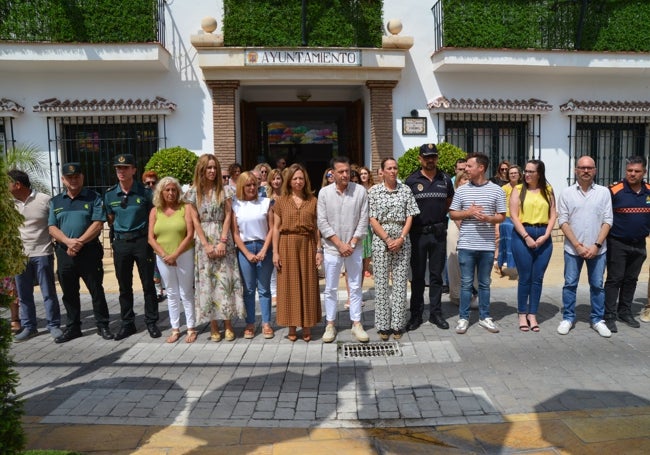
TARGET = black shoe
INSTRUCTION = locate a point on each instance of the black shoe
(413, 324)
(439, 322)
(611, 325)
(125, 331)
(68, 334)
(105, 333)
(629, 320)
(154, 331)
(445, 289)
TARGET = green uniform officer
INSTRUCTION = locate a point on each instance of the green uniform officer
(127, 205)
(75, 221)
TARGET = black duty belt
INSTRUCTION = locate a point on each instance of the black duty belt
(429, 228)
(131, 235)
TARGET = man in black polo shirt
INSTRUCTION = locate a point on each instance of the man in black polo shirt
(127, 205)
(75, 221)
(626, 249)
(433, 192)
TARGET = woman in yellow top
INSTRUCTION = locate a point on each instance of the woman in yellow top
(171, 235)
(532, 210)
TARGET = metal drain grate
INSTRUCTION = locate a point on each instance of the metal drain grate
(365, 350)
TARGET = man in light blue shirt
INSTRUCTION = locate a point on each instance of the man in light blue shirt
(585, 217)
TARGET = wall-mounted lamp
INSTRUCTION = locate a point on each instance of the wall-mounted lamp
(303, 96)
(414, 113)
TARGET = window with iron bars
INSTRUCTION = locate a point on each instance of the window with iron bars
(501, 137)
(609, 140)
(6, 134)
(94, 141)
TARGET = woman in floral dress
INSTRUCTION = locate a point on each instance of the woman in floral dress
(218, 282)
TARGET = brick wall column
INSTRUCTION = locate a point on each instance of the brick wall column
(223, 120)
(381, 120)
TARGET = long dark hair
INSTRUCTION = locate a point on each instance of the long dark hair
(544, 188)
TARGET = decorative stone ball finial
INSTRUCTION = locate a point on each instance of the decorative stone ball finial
(208, 24)
(394, 26)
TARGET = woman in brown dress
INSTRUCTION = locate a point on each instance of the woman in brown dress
(297, 253)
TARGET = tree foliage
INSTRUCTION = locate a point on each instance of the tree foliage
(176, 162)
(447, 156)
(12, 437)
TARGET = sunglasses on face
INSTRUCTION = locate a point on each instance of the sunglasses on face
(329, 176)
(124, 201)
(150, 183)
(504, 169)
(225, 177)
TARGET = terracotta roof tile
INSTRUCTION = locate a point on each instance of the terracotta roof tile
(606, 107)
(529, 105)
(54, 105)
(7, 105)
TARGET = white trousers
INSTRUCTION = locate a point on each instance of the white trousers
(353, 269)
(179, 285)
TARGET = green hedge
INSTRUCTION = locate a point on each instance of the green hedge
(608, 25)
(447, 156)
(330, 23)
(86, 21)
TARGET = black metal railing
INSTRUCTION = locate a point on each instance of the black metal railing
(532, 24)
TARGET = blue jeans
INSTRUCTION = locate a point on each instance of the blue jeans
(256, 276)
(506, 255)
(531, 266)
(471, 261)
(40, 269)
(595, 271)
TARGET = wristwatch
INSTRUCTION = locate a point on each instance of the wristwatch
(599, 245)
(353, 245)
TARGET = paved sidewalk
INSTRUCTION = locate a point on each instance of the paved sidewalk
(510, 392)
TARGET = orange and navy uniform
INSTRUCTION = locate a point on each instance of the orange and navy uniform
(631, 211)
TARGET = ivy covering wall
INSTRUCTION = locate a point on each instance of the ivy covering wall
(600, 25)
(86, 21)
(330, 23)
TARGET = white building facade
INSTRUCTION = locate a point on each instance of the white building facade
(88, 102)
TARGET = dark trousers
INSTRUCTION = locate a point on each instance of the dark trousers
(88, 266)
(125, 254)
(432, 247)
(624, 263)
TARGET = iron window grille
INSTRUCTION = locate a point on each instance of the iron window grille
(511, 137)
(609, 140)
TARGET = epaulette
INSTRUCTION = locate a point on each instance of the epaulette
(616, 187)
(111, 188)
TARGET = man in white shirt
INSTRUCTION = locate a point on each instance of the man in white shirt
(585, 217)
(343, 222)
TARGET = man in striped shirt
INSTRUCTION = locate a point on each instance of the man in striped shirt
(479, 205)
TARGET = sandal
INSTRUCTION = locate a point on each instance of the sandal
(215, 336)
(15, 327)
(174, 337)
(306, 335)
(191, 336)
(267, 331)
(230, 335)
(522, 327)
(249, 332)
(534, 328)
(292, 334)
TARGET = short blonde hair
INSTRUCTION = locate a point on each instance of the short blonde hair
(242, 180)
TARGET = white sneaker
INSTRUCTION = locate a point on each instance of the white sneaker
(564, 327)
(489, 325)
(357, 331)
(645, 314)
(330, 333)
(601, 328)
(461, 326)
